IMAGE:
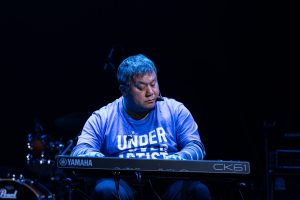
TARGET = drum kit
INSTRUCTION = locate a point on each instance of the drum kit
(46, 181)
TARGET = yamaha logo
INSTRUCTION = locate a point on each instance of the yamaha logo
(63, 162)
(75, 162)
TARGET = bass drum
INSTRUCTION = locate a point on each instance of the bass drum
(23, 189)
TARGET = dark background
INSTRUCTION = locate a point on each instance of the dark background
(232, 63)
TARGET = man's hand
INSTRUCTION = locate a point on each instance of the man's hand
(92, 154)
(174, 157)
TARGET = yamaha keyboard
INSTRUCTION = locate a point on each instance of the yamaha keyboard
(152, 167)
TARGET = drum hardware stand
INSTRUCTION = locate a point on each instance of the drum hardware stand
(70, 145)
(71, 187)
(71, 184)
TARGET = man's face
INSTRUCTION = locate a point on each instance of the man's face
(143, 92)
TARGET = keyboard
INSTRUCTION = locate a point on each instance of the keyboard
(159, 167)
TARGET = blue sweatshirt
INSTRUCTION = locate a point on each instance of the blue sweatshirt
(168, 129)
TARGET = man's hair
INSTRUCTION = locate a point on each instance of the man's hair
(134, 66)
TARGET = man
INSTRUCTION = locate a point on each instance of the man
(142, 124)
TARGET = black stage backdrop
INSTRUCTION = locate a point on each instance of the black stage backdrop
(230, 62)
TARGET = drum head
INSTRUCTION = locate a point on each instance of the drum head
(23, 189)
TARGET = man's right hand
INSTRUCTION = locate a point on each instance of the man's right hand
(92, 154)
(174, 157)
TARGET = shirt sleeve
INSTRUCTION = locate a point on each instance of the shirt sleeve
(90, 138)
(188, 136)
(194, 150)
(81, 149)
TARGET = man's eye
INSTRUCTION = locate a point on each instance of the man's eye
(140, 87)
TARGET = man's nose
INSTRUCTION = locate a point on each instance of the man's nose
(149, 90)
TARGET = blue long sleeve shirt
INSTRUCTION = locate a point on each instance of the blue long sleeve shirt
(168, 129)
